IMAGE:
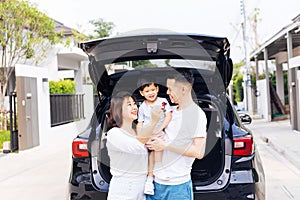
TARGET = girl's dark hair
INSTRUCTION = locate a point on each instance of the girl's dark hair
(145, 81)
(115, 117)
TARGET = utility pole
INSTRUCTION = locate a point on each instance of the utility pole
(247, 80)
(254, 26)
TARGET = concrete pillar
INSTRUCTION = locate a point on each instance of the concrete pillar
(268, 98)
(256, 88)
(256, 69)
(292, 85)
(279, 82)
(298, 96)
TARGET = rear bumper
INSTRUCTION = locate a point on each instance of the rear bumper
(233, 191)
(84, 191)
(241, 187)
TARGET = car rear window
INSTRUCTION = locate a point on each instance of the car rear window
(206, 66)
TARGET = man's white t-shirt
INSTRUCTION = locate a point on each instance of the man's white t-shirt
(185, 125)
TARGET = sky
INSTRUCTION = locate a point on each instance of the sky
(209, 17)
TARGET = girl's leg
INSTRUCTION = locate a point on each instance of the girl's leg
(157, 156)
(149, 186)
(151, 163)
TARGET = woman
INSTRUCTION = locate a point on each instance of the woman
(126, 149)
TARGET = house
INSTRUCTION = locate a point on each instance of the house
(34, 105)
(284, 49)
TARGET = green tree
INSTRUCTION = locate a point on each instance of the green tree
(238, 87)
(237, 67)
(75, 38)
(25, 33)
(101, 28)
(167, 62)
(142, 64)
(237, 79)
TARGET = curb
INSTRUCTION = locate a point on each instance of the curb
(290, 156)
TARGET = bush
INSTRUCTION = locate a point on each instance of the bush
(62, 87)
(4, 136)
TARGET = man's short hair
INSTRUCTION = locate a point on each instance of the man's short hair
(183, 76)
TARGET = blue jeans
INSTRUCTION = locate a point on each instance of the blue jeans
(183, 191)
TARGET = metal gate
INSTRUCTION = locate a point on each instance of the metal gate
(14, 141)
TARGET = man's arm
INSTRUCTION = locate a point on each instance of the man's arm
(196, 150)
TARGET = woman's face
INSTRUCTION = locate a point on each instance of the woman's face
(130, 109)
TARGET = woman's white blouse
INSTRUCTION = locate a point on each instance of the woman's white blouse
(128, 156)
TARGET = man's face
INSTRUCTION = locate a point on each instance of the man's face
(174, 90)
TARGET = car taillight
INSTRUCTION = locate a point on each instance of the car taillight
(80, 148)
(243, 146)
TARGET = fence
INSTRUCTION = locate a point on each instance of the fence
(14, 142)
(66, 108)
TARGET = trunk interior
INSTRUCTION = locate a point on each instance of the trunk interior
(204, 171)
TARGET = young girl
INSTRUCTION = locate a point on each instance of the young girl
(149, 90)
(127, 152)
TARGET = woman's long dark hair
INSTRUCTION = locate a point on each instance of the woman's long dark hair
(116, 110)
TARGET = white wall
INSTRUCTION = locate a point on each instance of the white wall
(262, 104)
(46, 132)
(50, 63)
(43, 106)
(88, 101)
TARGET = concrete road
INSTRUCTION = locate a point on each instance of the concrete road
(282, 177)
(40, 173)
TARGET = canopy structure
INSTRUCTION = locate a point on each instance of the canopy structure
(284, 48)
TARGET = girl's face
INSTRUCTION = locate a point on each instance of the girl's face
(150, 92)
(130, 109)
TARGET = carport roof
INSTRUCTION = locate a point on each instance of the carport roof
(278, 43)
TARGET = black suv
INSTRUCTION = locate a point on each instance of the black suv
(231, 168)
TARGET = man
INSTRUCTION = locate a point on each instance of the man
(187, 139)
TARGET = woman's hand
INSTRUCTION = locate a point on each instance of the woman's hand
(156, 113)
(146, 131)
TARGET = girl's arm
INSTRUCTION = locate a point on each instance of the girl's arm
(168, 118)
(145, 132)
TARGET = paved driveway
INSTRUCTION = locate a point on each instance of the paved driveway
(40, 173)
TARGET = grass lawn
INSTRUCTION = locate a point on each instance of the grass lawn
(4, 136)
